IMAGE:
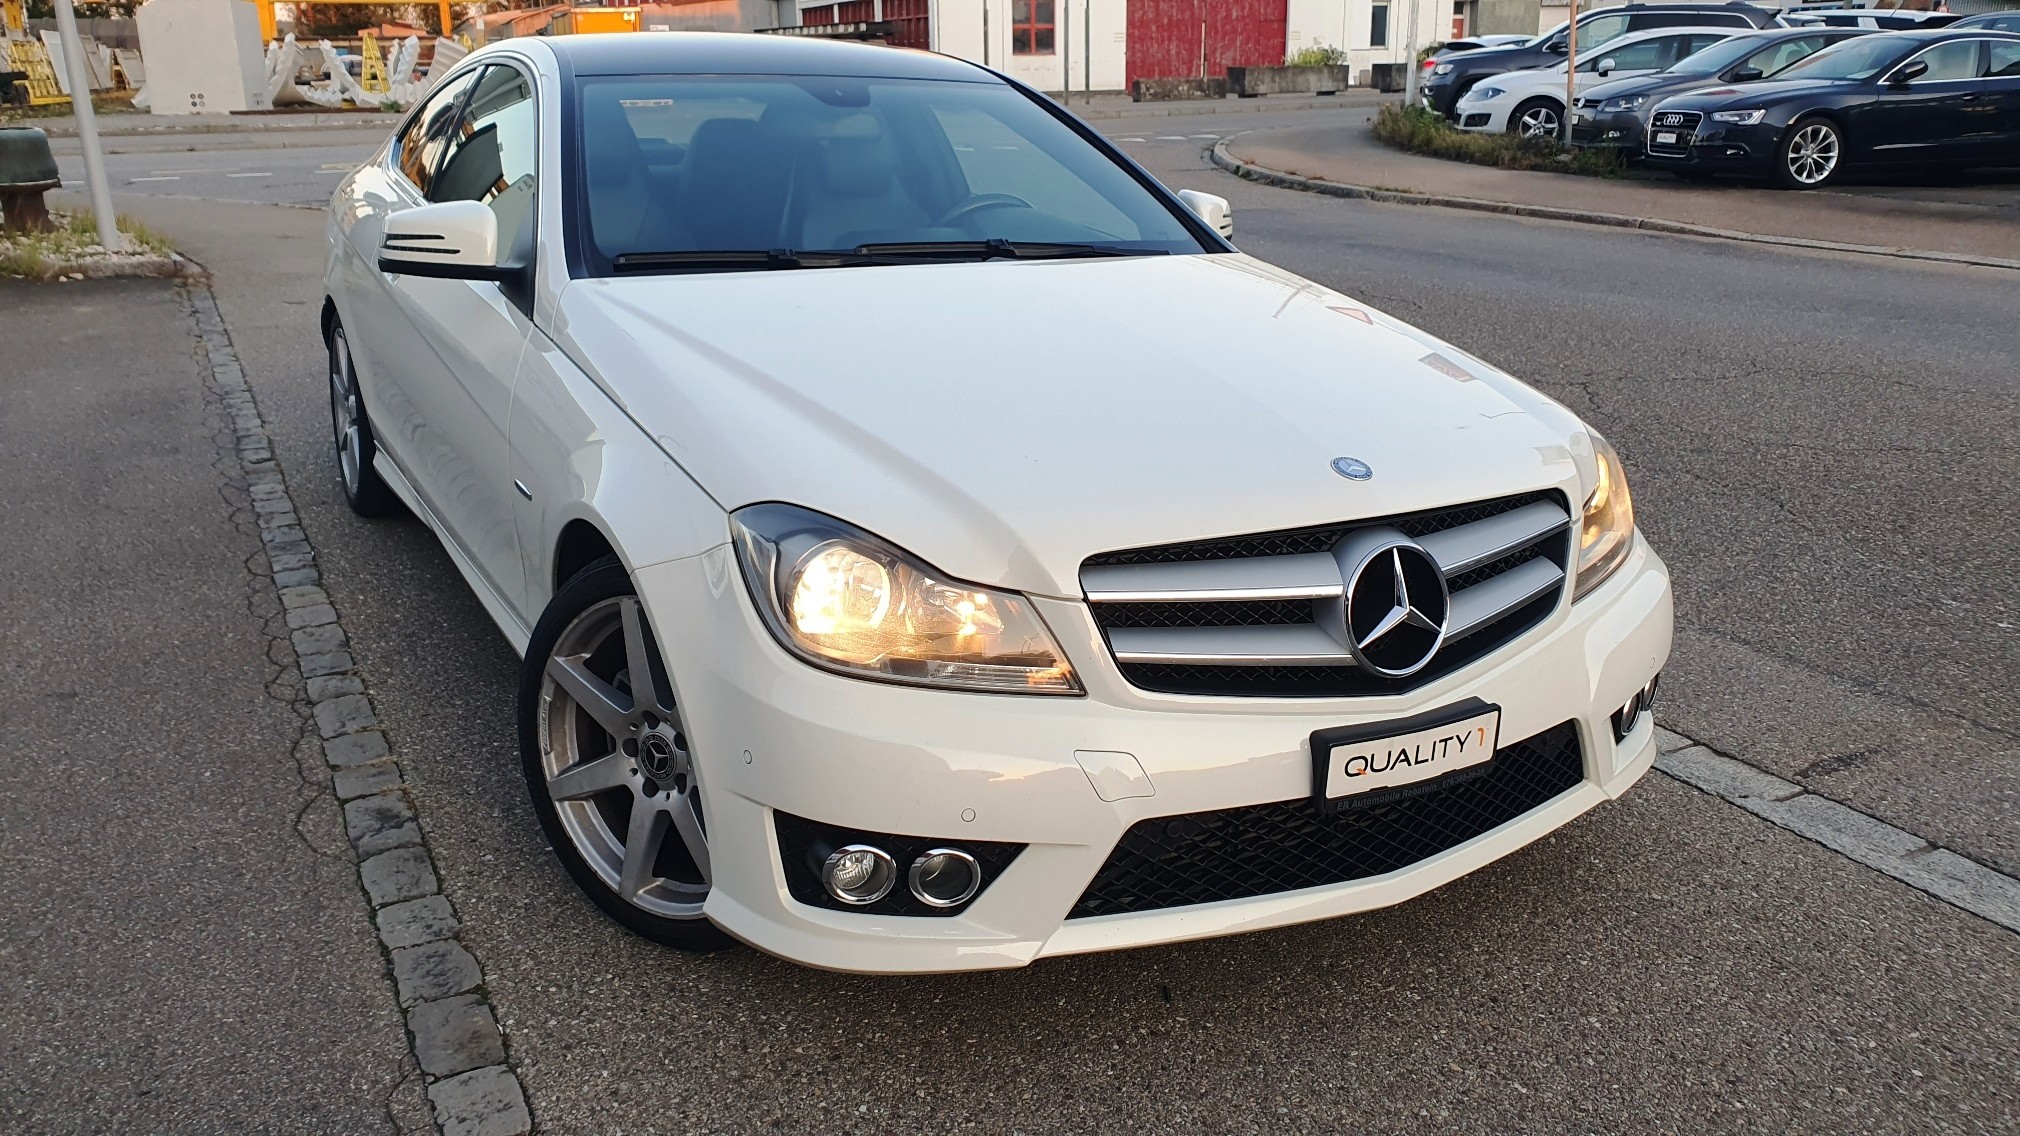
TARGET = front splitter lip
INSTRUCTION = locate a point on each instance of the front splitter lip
(776, 733)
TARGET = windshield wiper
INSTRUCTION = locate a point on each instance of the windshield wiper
(755, 260)
(906, 252)
(997, 248)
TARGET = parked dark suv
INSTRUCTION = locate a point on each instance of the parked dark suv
(1450, 78)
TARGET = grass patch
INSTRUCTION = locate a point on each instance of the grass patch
(118, 102)
(73, 248)
(1420, 131)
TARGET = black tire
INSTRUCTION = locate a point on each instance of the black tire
(1811, 154)
(1539, 109)
(365, 491)
(595, 817)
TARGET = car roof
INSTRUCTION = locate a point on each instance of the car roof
(731, 53)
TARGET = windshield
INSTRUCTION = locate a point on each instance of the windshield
(1860, 58)
(1717, 57)
(766, 165)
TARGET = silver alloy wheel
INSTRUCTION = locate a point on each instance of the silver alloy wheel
(344, 412)
(1813, 154)
(615, 756)
(1539, 122)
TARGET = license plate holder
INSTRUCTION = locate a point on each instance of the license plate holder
(1357, 766)
(1665, 138)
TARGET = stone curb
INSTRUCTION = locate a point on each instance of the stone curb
(452, 1030)
(1914, 861)
(1252, 172)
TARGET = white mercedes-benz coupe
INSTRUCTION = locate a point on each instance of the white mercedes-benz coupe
(932, 544)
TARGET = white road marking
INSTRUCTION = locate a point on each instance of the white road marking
(340, 167)
(259, 175)
(1171, 138)
(1876, 844)
(1129, 139)
(204, 170)
(158, 177)
(1206, 136)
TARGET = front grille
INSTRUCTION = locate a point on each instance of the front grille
(1242, 853)
(1476, 120)
(1331, 678)
(1684, 122)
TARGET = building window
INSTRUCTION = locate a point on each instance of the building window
(1378, 26)
(1030, 27)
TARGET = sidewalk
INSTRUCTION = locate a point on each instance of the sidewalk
(183, 941)
(1979, 225)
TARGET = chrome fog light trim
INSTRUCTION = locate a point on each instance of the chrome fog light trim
(859, 874)
(944, 877)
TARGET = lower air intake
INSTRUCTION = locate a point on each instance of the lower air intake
(1241, 853)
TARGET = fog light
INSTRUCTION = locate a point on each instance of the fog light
(859, 874)
(1625, 718)
(945, 877)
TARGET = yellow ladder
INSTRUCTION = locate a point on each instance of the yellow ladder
(29, 56)
(372, 73)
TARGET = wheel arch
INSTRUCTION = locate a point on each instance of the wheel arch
(580, 543)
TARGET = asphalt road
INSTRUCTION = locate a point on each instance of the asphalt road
(1821, 447)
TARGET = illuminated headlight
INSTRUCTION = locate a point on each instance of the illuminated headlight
(1482, 94)
(1442, 69)
(1606, 533)
(1624, 102)
(844, 600)
(1739, 117)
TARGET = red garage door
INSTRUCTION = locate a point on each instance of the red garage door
(1178, 39)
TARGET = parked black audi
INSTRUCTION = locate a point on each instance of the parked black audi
(1450, 78)
(1615, 115)
(1942, 99)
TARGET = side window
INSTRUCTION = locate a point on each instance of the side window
(492, 156)
(1775, 58)
(2005, 59)
(1957, 59)
(1642, 55)
(1599, 30)
(420, 147)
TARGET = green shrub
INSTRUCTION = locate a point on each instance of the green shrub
(1421, 131)
(1317, 55)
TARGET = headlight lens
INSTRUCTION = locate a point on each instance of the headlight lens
(1484, 93)
(1624, 102)
(1442, 69)
(1739, 117)
(1606, 532)
(844, 600)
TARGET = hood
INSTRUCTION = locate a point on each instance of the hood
(1753, 94)
(1004, 420)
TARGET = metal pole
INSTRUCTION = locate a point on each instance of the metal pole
(1410, 59)
(1064, 35)
(87, 127)
(1570, 71)
(985, 33)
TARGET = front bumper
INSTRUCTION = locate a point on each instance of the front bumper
(1483, 116)
(1619, 129)
(777, 735)
(1716, 148)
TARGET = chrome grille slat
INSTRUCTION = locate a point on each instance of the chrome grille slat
(1197, 617)
(1467, 547)
(1309, 575)
(1229, 646)
(1481, 604)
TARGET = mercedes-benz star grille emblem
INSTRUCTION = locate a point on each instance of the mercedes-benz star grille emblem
(1397, 608)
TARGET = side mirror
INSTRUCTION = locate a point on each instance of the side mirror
(1557, 47)
(1606, 66)
(1215, 211)
(1747, 75)
(450, 240)
(1909, 74)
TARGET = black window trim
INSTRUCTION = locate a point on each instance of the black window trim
(532, 78)
(415, 116)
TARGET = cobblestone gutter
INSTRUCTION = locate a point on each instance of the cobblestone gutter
(439, 986)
